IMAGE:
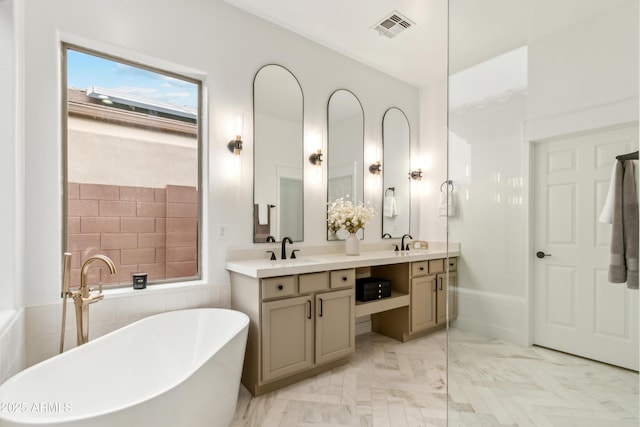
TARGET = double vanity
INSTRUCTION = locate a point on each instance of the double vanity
(303, 311)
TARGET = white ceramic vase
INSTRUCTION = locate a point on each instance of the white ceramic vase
(352, 244)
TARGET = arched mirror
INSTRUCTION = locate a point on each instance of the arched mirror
(345, 135)
(277, 156)
(396, 147)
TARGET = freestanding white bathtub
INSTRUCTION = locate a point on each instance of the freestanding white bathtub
(180, 368)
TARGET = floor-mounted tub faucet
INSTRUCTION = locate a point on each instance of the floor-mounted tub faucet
(82, 296)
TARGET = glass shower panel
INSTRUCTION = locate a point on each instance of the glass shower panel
(542, 95)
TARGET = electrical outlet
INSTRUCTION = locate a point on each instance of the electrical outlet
(221, 231)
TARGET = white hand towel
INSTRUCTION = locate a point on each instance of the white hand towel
(263, 214)
(390, 206)
(447, 206)
(606, 215)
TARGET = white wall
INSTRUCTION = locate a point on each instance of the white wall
(586, 76)
(580, 78)
(10, 161)
(209, 40)
(431, 157)
(227, 64)
(12, 319)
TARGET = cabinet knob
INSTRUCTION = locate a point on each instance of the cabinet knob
(344, 278)
(421, 268)
(280, 287)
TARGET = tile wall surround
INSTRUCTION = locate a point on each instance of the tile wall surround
(119, 308)
(12, 344)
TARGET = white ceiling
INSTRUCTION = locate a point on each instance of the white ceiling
(479, 29)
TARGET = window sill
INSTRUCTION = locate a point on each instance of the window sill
(154, 289)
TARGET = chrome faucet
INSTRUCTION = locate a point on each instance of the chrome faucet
(402, 246)
(82, 297)
(283, 252)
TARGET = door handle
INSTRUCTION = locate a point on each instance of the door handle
(541, 254)
(309, 315)
(320, 307)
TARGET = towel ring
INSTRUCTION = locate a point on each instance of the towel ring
(393, 190)
(448, 182)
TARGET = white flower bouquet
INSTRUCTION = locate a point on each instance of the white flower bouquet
(343, 214)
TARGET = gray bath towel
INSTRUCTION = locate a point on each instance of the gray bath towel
(624, 230)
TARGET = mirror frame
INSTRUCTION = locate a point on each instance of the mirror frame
(384, 187)
(255, 218)
(360, 232)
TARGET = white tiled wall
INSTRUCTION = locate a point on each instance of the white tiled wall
(43, 323)
(12, 346)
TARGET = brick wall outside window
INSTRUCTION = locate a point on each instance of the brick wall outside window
(151, 230)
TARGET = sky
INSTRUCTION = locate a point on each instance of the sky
(84, 70)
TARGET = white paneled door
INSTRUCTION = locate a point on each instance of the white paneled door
(577, 310)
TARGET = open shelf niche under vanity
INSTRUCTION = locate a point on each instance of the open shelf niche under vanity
(303, 312)
(417, 304)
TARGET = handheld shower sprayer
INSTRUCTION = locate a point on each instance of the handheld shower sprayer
(65, 293)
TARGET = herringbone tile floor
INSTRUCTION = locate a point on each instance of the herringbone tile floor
(491, 383)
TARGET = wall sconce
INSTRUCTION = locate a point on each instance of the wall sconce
(316, 158)
(235, 145)
(417, 175)
(376, 168)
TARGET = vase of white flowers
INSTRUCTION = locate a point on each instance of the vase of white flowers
(344, 215)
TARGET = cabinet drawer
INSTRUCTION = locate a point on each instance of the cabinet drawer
(453, 264)
(313, 282)
(436, 266)
(277, 287)
(343, 278)
(419, 268)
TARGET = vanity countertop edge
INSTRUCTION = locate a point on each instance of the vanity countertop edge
(264, 268)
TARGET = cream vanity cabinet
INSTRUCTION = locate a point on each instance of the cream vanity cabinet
(302, 313)
(447, 285)
(427, 285)
(300, 325)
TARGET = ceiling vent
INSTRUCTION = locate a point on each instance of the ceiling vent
(393, 24)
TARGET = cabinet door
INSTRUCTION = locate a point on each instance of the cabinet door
(441, 299)
(335, 325)
(452, 292)
(447, 289)
(423, 303)
(287, 337)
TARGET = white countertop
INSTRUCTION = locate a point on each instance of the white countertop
(260, 268)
